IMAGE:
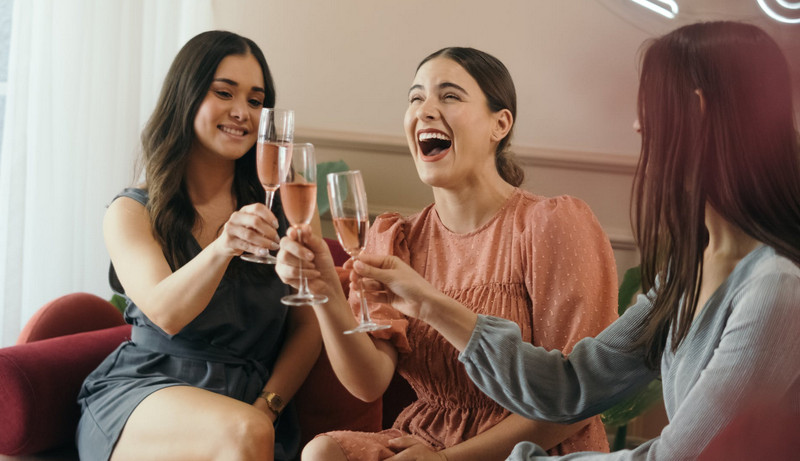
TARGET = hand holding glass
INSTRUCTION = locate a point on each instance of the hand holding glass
(298, 172)
(275, 134)
(348, 200)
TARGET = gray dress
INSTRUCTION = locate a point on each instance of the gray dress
(742, 351)
(230, 349)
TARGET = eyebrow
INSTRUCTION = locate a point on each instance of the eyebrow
(257, 89)
(442, 85)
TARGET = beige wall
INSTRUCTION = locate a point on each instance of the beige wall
(345, 67)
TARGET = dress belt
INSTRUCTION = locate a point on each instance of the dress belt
(152, 340)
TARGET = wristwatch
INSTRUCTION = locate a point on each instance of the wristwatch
(274, 402)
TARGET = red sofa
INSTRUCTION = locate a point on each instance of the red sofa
(66, 339)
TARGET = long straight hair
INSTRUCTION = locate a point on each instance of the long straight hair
(736, 152)
(169, 135)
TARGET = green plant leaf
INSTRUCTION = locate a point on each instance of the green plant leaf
(631, 284)
(323, 168)
(623, 412)
(119, 302)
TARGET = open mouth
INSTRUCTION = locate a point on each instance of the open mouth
(433, 143)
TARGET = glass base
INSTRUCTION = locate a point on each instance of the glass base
(303, 299)
(364, 327)
(269, 259)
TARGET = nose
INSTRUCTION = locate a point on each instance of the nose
(428, 109)
(239, 110)
(636, 126)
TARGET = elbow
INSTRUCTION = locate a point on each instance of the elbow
(368, 391)
(367, 395)
(168, 324)
(171, 329)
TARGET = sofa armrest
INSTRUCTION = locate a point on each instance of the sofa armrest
(69, 314)
(41, 381)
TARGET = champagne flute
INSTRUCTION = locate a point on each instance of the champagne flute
(348, 200)
(299, 197)
(275, 134)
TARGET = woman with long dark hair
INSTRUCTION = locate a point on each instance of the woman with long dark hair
(214, 356)
(716, 204)
(544, 263)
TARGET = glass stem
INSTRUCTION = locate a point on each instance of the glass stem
(364, 308)
(303, 288)
(270, 196)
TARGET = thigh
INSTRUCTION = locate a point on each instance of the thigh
(183, 422)
(355, 446)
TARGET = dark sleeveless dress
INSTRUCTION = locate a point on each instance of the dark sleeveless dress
(230, 349)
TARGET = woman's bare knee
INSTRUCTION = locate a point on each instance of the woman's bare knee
(181, 422)
(323, 448)
(246, 436)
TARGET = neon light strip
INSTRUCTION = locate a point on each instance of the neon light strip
(775, 15)
(668, 13)
(789, 6)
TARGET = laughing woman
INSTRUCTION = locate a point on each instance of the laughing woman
(543, 263)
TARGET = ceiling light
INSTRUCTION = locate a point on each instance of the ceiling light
(777, 16)
(666, 8)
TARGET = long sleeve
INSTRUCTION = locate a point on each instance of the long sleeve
(742, 354)
(546, 385)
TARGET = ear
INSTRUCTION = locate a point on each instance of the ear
(503, 123)
(699, 94)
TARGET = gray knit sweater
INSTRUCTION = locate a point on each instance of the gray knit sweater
(743, 349)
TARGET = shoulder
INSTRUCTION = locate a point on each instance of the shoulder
(392, 222)
(138, 194)
(390, 232)
(128, 208)
(772, 282)
(562, 211)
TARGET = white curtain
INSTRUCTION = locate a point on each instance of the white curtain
(83, 78)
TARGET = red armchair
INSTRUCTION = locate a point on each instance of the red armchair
(66, 339)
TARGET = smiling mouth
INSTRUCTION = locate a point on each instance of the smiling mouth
(233, 131)
(432, 144)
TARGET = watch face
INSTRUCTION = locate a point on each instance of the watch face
(276, 401)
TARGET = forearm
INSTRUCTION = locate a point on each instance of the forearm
(365, 367)
(497, 442)
(181, 296)
(545, 385)
(297, 357)
(450, 318)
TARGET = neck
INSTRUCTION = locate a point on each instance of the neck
(726, 239)
(467, 208)
(209, 180)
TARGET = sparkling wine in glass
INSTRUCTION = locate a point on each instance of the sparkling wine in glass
(348, 200)
(298, 173)
(275, 134)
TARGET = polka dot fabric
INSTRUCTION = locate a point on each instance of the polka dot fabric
(544, 263)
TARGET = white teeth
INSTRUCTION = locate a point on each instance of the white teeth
(232, 131)
(428, 135)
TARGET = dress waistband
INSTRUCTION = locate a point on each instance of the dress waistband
(181, 347)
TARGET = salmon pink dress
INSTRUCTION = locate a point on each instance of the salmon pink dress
(544, 263)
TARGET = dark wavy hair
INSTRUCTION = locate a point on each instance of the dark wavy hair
(169, 135)
(737, 152)
(495, 81)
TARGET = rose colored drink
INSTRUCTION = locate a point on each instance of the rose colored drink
(267, 155)
(298, 202)
(352, 234)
